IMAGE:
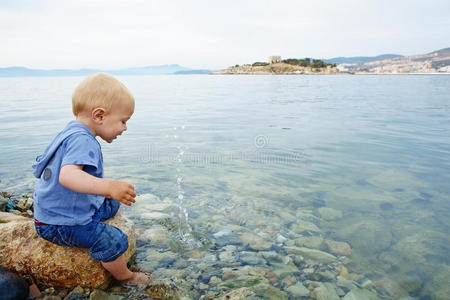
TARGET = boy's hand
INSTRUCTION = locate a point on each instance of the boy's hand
(74, 178)
(122, 191)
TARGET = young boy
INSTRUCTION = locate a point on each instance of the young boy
(71, 197)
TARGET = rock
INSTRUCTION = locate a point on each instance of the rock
(250, 258)
(23, 251)
(355, 294)
(345, 283)
(369, 236)
(255, 242)
(326, 291)
(238, 294)
(25, 203)
(101, 295)
(256, 272)
(229, 275)
(12, 287)
(329, 214)
(315, 255)
(76, 294)
(438, 287)
(283, 270)
(221, 232)
(366, 283)
(246, 281)
(298, 290)
(206, 276)
(158, 290)
(391, 287)
(3, 203)
(271, 256)
(272, 277)
(265, 291)
(197, 254)
(343, 272)
(8, 217)
(213, 281)
(302, 226)
(281, 239)
(309, 241)
(156, 259)
(340, 248)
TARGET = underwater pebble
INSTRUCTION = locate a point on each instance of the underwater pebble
(250, 258)
(255, 242)
(309, 241)
(329, 214)
(197, 254)
(298, 290)
(256, 272)
(340, 248)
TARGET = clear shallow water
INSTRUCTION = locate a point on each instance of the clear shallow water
(260, 154)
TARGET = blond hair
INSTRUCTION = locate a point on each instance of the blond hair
(98, 90)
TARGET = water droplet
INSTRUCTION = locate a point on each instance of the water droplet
(180, 197)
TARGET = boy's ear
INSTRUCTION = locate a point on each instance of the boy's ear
(98, 114)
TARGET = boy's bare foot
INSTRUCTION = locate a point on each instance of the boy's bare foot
(136, 278)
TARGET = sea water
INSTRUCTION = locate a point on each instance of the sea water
(288, 159)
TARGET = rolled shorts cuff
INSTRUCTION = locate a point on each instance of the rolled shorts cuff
(110, 245)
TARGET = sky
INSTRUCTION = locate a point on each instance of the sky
(213, 34)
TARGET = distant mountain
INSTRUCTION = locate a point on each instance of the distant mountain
(436, 62)
(359, 59)
(191, 72)
(150, 70)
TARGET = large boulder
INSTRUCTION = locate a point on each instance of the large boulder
(24, 252)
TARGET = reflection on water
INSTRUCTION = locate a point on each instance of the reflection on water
(265, 167)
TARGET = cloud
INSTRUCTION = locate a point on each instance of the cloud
(111, 34)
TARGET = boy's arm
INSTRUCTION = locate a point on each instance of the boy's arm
(74, 178)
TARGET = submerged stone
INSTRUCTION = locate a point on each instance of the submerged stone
(298, 290)
(313, 254)
(302, 226)
(329, 214)
(255, 242)
(326, 291)
(238, 294)
(340, 248)
(309, 241)
(355, 294)
(368, 236)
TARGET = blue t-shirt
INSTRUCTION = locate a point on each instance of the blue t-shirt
(53, 203)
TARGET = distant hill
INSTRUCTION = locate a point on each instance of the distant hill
(359, 59)
(150, 70)
(191, 72)
(433, 62)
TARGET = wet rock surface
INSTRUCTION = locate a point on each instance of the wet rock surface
(24, 252)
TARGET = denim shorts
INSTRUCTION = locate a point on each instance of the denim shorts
(105, 242)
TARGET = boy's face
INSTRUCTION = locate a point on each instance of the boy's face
(115, 122)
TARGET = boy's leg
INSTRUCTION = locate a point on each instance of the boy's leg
(109, 209)
(118, 268)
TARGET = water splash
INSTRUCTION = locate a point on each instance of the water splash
(184, 228)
